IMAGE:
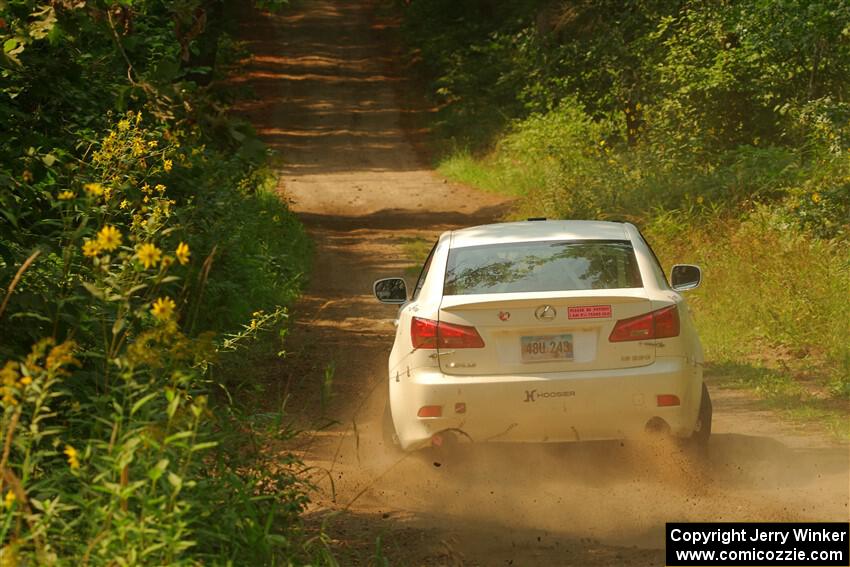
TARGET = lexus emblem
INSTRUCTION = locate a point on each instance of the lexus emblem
(545, 313)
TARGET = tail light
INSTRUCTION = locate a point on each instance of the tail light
(426, 333)
(660, 324)
(423, 333)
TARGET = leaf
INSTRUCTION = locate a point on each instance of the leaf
(173, 403)
(10, 216)
(40, 28)
(277, 539)
(175, 481)
(157, 470)
(137, 288)
(138, 405)
(177, 436)
(204, 446)
(92, 289)
(150, 549)
(8, 60)
(30, 315)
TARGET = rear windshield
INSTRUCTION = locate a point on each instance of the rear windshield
(542, 266)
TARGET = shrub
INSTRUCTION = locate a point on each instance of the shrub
(110, 443)
(138, 248)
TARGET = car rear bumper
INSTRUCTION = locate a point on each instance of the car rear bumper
(551, 407)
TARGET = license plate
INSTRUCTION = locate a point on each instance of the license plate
(547, 347)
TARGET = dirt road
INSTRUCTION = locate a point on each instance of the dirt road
(327, 100)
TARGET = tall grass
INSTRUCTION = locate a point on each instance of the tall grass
(773, 296)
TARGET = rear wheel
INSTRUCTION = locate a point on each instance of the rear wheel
(702, 430)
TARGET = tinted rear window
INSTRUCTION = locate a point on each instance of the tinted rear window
(542, 266)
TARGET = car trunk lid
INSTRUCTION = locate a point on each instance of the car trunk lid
(545, 332)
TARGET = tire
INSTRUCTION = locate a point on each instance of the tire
(702, 430)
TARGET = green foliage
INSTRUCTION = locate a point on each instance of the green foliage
(141, 243)
(772, 295)
(476, 65)
(140, 483)
(691, 77)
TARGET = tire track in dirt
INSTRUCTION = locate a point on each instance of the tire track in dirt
(327, 102)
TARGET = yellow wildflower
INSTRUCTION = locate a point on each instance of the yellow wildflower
(9, 373)
(163, 308)
(123, 125)
(94, 189)
(149, 255)
(816, 197)
(183, 253)
(61, 355)
(91, 248)
(138, 118)
(160, 188)
(167, 165)
(66, 195)
(25, 381)
(9, 499)
(9, 396)
(109, 238)
(700, 199)
(73, 458)
(637, 106)
(152, 144)
(124, 204)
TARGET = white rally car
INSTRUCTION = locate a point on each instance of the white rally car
(544, 331)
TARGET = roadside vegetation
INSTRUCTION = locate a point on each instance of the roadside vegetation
(141, 246)
(721, 129)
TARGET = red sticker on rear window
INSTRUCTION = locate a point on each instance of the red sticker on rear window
(589, 312)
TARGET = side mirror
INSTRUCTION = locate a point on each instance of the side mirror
(685, 276)
(390, 290)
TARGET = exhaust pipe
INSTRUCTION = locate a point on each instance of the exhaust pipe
(657, 425)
